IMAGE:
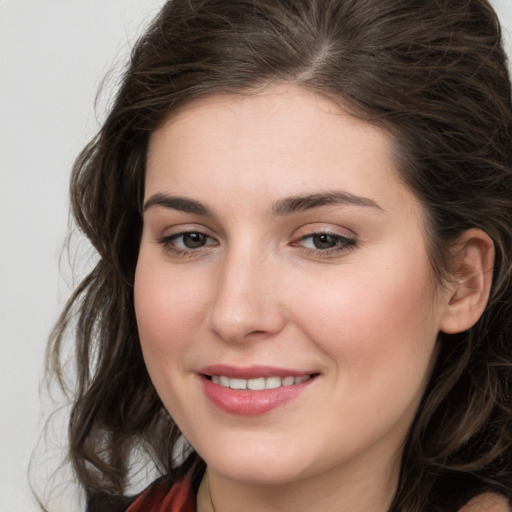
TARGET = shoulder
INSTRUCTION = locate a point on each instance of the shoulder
(487, 502)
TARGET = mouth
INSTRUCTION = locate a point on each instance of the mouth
(255, 390)
(258, 383)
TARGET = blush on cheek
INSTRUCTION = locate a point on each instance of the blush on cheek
(168, 314)
(383, 321)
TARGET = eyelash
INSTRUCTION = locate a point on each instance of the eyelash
(169, 243)
(341, 244)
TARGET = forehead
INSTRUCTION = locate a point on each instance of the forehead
(280, 141)
(290, 112)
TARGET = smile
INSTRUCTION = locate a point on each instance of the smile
(259, 383)
(253, 391)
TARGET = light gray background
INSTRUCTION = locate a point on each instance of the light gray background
(53, 56)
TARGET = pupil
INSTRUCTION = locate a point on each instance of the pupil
(194, 240)
(324, 241)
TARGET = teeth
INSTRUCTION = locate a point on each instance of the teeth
(288, 381)
(272, 382)
(238, 383)
(258, 383)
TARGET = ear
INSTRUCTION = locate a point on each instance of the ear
(469, 292)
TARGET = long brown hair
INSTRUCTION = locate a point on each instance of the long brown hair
(433, 73)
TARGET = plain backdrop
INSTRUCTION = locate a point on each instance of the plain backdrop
(53, 57)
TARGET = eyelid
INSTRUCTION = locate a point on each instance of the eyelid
(346, 241)
(181, 234)
(337, 236)
(167, 240)
(183, 228)
(323, 228)
(342, 242)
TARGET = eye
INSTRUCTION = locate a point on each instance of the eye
(325, 243)
(187, 241)
(191, 240)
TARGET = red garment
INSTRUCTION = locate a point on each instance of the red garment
(158, 498)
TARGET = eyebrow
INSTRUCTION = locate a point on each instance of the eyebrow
(286, 206)
(182, 204)
(297, 204)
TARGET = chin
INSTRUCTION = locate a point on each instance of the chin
(263, 474)
(260, 465)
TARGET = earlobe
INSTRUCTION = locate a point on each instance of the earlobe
(469, 293)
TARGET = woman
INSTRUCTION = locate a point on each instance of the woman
(303, 217)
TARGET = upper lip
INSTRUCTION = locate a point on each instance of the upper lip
(251, 372)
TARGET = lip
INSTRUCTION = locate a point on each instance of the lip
(251, 403)
(251, 372)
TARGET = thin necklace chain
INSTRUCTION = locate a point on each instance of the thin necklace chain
(210, 493)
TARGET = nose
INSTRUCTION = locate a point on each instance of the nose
(246, 303)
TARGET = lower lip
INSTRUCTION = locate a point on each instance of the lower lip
(251, 403)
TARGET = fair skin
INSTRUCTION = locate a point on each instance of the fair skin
(279, 239)
(487, 502)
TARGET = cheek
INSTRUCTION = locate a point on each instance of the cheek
(166, 311)
(167, 315)
(379, 328)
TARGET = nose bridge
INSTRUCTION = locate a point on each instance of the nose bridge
(246, 301)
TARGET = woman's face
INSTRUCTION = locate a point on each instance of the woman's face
(281, 251)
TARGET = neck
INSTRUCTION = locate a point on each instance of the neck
(334, 491)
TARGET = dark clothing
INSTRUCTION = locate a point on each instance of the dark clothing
(158, 497)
